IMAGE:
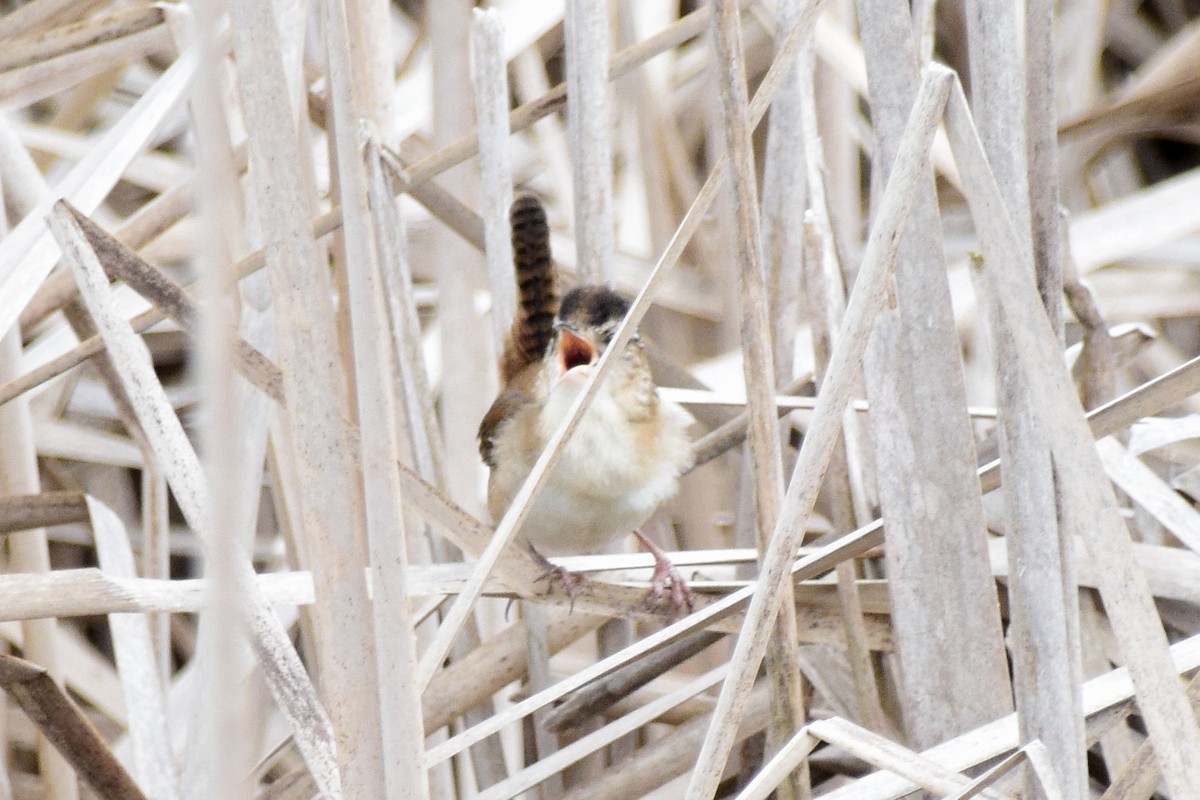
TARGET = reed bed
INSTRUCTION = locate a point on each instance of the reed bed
(924, 274)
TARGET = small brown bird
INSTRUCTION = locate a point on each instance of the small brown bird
(627, 453)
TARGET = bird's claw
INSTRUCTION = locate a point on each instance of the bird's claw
(667, 578)
(571, 582)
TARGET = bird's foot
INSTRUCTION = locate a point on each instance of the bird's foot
(571, 582)
(667, 578)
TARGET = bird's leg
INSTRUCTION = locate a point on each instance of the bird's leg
(572, 582)
(666, 575)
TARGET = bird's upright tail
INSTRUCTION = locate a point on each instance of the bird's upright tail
(537, 287)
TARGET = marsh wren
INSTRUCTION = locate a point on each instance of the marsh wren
(630, 447)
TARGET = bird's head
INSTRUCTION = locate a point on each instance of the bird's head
(588, 319)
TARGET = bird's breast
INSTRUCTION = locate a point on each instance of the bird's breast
(610, 478)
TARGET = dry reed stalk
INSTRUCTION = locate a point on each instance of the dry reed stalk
(1095, 371)
(458, 687)
(586, 36)
(1140, 773)
(88, 674)
(318, 407)
(147, 171)
(34, 596)
(593, 742)
(1036, 755)
(1120, 229)
(38, 81)
(843, 53)
(405, 326)
(1042, 585)
(826, 292)
(844, 484)
(78, 592)
(156, 558)
(451, 461)
(75, 37)
(398, 726)
(790, 757)
(137, 665)
(648, 147)
(1151, 492)
(139, 230)
(62, 722)
(444, 205)
(761, 373)
(419, 422)
(29, 245)
(525, 115)
(121, 263)
(1086, 495)
(530, 82)
(469, 375)
(32, 16)
(658, 762)
(491, 109)
(834, 116)
(82, 101)
(865, 302)
(19, 512)
(784, 198)
(28, 549)
(1169, 570)
(709, 615)
(538, 677)
(28, 552)
(915, 382)
(72, 592)
(416, 418)
(165, 435)
(1134, 223)
(881, 752)
(614, 690)
(997, 738)
(1041, 127)
(371, 63)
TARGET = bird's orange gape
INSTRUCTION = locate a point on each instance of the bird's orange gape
(573, 351)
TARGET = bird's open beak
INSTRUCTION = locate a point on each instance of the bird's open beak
(573, 351)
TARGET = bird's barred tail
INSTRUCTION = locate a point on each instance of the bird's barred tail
(537, 287)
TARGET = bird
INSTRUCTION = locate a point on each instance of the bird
(631, 446)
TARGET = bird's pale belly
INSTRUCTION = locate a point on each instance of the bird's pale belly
(599, 491)
(609, 480)
(563, 522)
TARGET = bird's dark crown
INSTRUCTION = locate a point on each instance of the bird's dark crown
(592, 307)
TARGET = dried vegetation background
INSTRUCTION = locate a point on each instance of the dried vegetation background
(254, 269)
